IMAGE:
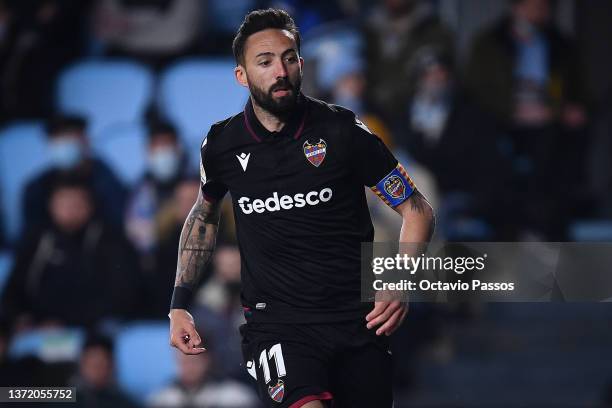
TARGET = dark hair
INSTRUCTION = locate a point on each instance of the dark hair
(98, 340)
(165, 128)
(259, 20)
(64, 123)
(72, 181)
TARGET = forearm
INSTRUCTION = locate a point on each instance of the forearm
(195, 250)
(418, 219)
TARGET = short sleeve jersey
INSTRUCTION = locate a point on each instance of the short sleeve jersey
(300, 207)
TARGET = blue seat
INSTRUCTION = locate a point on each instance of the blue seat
(22, 156)
(145, 361)
(6, 264)
(336, 48)
(105, 92)
(50, 345)
(591, 231)
(123, 148)
(196, 93)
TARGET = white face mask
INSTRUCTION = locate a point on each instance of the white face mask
(164, 163)
(65, 152)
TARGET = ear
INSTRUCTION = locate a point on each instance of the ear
(301, 63)
(241, 76)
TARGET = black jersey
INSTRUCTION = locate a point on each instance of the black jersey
(300, 207)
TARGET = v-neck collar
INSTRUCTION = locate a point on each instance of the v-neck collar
(293, 128)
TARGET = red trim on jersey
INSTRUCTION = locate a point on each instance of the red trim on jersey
(299, 131)
(249, 128)
(324, 396)
(257, 138)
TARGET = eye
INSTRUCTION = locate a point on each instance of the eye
(264, 63)
(292, 59)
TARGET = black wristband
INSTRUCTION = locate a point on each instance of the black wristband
(181, 298)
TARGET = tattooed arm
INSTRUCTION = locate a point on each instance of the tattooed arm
(418, 220)
(418, 224)
(197, 242)
(194, 253)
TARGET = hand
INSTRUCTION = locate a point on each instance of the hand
(183, 334)
(389, 314)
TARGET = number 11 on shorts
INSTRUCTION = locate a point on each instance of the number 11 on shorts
(275, 352)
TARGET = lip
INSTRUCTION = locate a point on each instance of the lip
(281, 92)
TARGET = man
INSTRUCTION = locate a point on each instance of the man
(95, 382)
(166, 168)
(76, 271)
(198, 384)
(295, 168)
(524, 71)
(69, 155)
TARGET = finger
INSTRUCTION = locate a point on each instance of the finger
(379, 307)
(194, 337)
(188, 348)
(196, 350)
(183, 347)
(391, 308)
(398, 323)
(390, 323)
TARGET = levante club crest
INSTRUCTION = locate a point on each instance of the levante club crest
(395, 187)
(315, 153)
(277, 392)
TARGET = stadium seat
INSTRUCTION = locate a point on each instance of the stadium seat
(196, 93)
(144, 360)
(6, 263)
(50, 345)
(105, 92)
(22, 156)
(123, 148)
(336, 48)
(591, 231)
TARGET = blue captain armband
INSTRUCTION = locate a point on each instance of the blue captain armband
(395, 187)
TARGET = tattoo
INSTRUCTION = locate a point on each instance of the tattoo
(197, 242)
(418, 202)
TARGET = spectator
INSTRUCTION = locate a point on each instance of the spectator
(440, 122)
(95, 382)
(195, 387)
(394, 32)
(166, 167)
(525, 71)
(153, 31)
(69, 155)
(77, 271)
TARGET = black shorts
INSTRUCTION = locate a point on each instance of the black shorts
(345, 364)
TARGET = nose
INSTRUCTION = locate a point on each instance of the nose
(281, 69)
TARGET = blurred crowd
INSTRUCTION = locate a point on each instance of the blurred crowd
(499, 140)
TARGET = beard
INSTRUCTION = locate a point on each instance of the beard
(282, 106)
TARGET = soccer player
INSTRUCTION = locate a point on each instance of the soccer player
(296, 169)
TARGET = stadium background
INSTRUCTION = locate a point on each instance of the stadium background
(447, 85)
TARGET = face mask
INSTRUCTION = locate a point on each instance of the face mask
(65, 153)
(164, 164)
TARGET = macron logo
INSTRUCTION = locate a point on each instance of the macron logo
(243, 158)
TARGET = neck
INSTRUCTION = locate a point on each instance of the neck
(271, 122)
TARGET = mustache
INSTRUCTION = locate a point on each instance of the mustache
(281, 84)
